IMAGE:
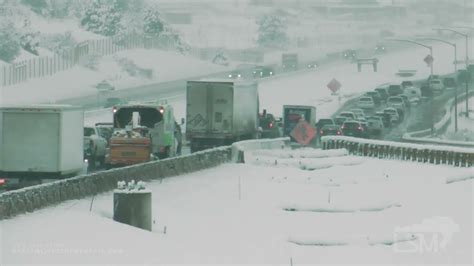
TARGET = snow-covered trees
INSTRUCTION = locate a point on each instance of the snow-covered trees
(60, 8)
(38, 6)
(29, 41)
(102, 17)
(272, 31)
(58, 43)
(152, 23)
(154, 26)
(9, 42)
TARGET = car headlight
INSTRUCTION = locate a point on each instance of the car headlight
(230, 75)
(239, 75)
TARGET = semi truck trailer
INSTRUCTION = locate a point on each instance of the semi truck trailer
(221, 112)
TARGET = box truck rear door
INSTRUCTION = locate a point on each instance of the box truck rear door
(222, 107)
(31, 142)
(197, 107)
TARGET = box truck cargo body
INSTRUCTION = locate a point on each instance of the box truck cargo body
(220, 112)
(42, 141)
(292, 115)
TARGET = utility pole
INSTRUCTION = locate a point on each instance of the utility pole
(455, 71)
(466, 36)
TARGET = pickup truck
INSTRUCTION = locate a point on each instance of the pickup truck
(95, 146)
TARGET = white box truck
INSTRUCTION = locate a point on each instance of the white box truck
(41, 141)
(221, 112)
(292, 115)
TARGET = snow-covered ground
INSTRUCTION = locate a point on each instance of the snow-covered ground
(309, 88)
(165, 66)
(394, 213)
(465, 125)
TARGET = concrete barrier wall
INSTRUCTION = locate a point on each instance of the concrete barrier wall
(239, 148)
(434, 154)
(32, 198)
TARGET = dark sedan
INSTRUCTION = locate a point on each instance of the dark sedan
(330, 130)
(354, 129)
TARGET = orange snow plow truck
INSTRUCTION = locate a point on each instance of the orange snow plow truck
(141, 133)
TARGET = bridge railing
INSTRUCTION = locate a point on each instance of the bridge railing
(433, 154)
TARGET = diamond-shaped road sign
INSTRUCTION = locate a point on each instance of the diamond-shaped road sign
(303, 132)
(428, 60)
(334, 85)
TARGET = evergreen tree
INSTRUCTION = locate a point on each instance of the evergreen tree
(272, 31)
(9, 43)
(38, 6)
(102, 17)
(152, 25)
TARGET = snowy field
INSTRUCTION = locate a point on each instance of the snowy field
(254, 214)
(166, 66)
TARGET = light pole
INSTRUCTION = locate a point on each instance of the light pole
(466, 36)
(431, 71)
(455, 87)
(420, 44)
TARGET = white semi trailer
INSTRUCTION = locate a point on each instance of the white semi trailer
(220, 112)
(40, 142)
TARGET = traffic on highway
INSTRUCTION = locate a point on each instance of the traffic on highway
(236, 132)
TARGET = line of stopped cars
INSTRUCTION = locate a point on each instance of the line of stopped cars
(375, 112)
(383, 108)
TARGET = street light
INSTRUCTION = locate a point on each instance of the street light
(467, 59)
(455, 71)
(465, 35)
(431, 71)
(420, 44)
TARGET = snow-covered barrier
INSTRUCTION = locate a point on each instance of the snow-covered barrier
(439, 127)
(434, 154)
(32, 198)
(239, 148)
(301, 153)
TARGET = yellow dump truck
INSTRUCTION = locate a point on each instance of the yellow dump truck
(142, 132)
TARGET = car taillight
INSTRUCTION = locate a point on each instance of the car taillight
(322, 132)
(270, 125)
(338, 132)
(2, 181)
(360, 128)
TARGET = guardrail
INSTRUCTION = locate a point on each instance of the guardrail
(456, 156)
(440, 126)
(33, 198)
(36, 197)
